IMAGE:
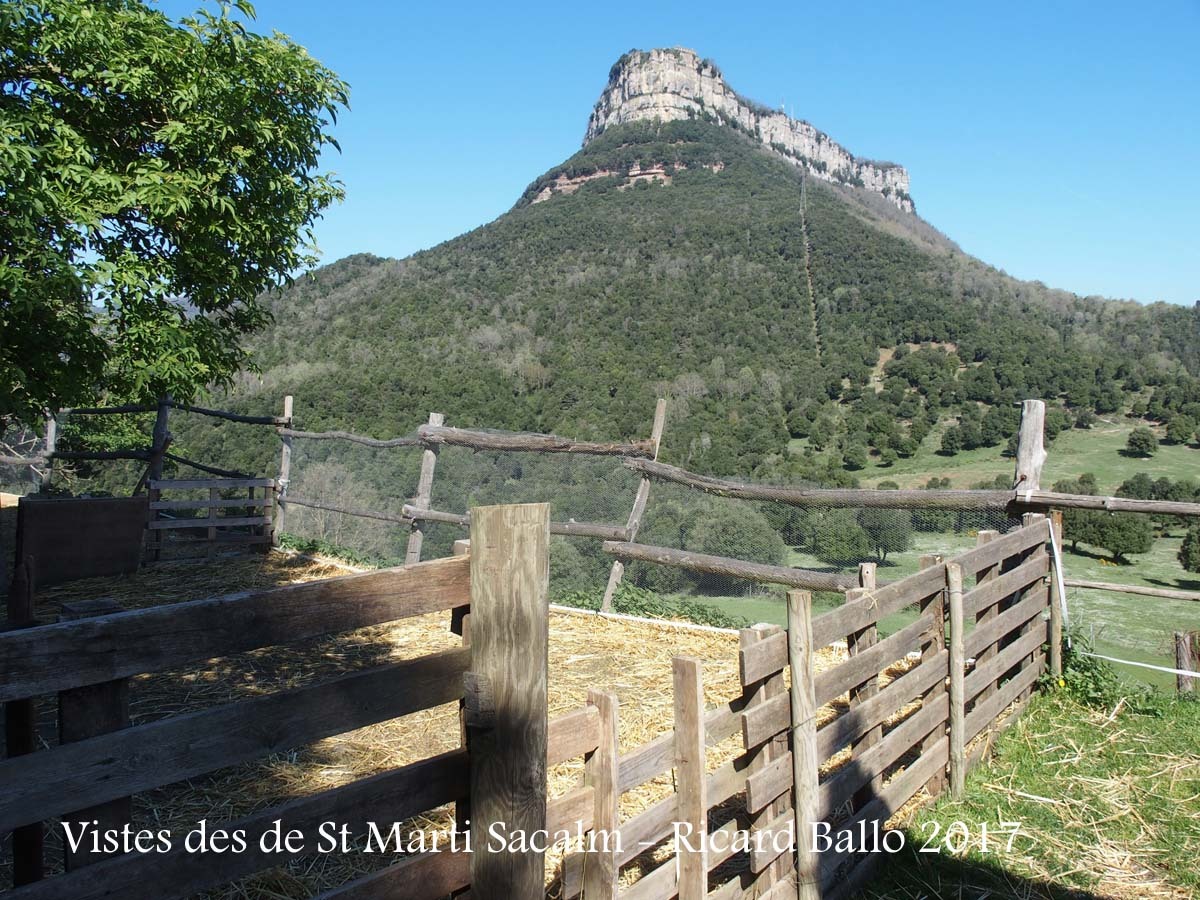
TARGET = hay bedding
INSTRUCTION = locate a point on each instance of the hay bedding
(629, 659)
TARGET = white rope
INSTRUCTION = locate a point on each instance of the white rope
(1142, 665)
(1058, 579)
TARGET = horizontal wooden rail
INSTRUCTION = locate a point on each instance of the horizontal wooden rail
(124, 409)
(572, 735)
(528, 442)
(992, 591)
(993, 630)
(905, 499)
(352, 438)
(204, 503)
(220, 522)
(289, 500)
(824, 497)
(868, 663)
(571, 528)
(438, 873)
(197, 484)
(657, 756)
(734, 568)
(51, 658)
(390, 797)
(986, 673)
(987, 711)
(83, 774)
(1144, 591)
(229, 416)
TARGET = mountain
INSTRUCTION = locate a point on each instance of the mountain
(702, 247)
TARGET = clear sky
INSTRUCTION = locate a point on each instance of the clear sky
(1058, 141)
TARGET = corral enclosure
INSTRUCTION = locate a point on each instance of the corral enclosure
(875, 734)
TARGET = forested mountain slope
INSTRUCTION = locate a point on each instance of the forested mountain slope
(686, 260)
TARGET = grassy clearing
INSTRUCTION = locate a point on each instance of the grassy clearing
(1075, 451)
(1108, 800)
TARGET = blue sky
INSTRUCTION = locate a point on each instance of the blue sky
(1059, 142)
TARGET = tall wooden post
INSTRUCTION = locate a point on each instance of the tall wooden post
(601, 771)
(1186, 646)
(958, 730)
(51, 445)
(161, 436)
(1031, 449)
(857, 643)
(935, 607)
(639, 508)
(805, 764)
(424, 492)
(1056, 598)
(691, 795)
(86, 712)
(285, 473)
(506, 711)
(20, 729)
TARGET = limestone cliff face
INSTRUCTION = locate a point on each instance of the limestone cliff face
(677, 84)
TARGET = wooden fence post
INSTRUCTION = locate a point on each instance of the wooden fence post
(51, 445)
(1186, 646)
(639, 508)
(1031, 449)
(991, 610)
(856, 643)
(600, 869)
(20, 729)
(936, 608)
(161, 437)
(1056, 598)
(691, 790)
(772, 750)
(510, 571)
(285, 473)
(86, 712)
(416, 536)
(805, 764)
(958, 773)
(1044, 589)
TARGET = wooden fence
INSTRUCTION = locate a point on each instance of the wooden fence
(213, 519)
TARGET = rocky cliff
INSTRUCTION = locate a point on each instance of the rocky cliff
(677, 84)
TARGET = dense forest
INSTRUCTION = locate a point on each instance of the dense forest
(767, 306)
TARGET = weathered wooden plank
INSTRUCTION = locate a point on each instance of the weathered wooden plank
(1141, 590)
(243, 503)
(1031, 452)
(528, 442)
(657, 756)
(842, 786)
(835, 735)
(734, 568)
(1186, 646)
(768, 783)
(762, 659)
(203, 484)
(157, 753)
(224, 522)
(1012, 544)
(572, 735)
(691, 796)
(435, 874)
(984, 676)
(1006, 622)
(391, 796)
(510, 565)
(958, 700)
(54, 657)
(285, 473)
(600, 870)
(572, 811)
(868, 609)
(983, 598)
(823, 497)
(416, 536)
(836, 681)
(758, 694)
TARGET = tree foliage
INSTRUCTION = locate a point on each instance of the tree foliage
(158, 177)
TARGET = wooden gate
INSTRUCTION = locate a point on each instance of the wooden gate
(199, 516)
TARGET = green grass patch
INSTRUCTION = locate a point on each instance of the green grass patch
(1108, 801)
